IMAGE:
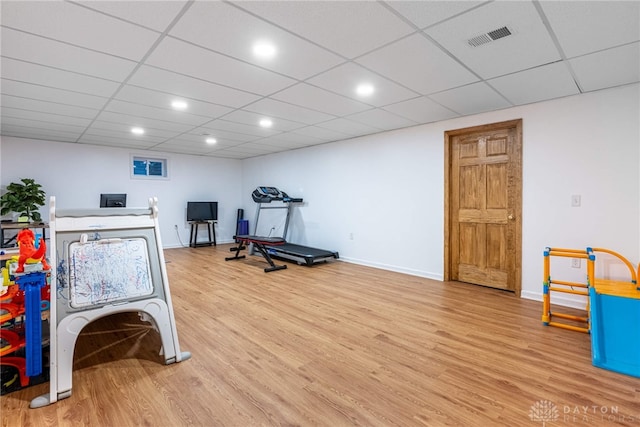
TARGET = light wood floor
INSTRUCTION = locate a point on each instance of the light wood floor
(333, 345)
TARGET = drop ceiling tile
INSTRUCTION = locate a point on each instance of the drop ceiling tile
(133, 140)
(538, 84)
(78, 25)
(116, 142)
(355, 27)
(35, 133)
(177, 150)
(289, 140)
(241, 128)
(421, 110)
(189, 140)
(608, 68)
(273, 108)
(471, 99)
(314, 98)
(163, 114)
(42, 93)
(157, 99)
(529, 46)
(248, 150)
(321, 133)
(119, 130)
(185, 58)
(205, 131)
(223, 154)
(381, 119)
(177, 147)
(8, 101)
(587, 26)
(32, 135)
(257, 148)
(189, 87)
(253, 119)
(156, 15)
(29, 123)
(38, 116)
(30, 48)
(426, 13)
(236, 31)
(348, 127)
(51, 77)
(345, 78)
(144, 122)
(276, 144)
(425, 67)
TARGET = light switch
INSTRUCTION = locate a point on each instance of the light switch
(575, 201)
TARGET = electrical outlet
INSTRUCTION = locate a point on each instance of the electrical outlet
(576, 200)
(175, 226)
(575, 262)
(350, 236)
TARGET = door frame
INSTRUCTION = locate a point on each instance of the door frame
(448, 140)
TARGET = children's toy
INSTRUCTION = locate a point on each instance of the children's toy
(554, 285)
(32, 285)
(28, 252)
(612, 310)
(106, 261)
(564, 286)
(24, 297)
(615, 327)
(20, 365)
(11, 342)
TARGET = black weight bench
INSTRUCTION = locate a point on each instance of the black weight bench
(259, 243)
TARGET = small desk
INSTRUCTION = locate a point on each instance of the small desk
(17, 226)
(211, 229)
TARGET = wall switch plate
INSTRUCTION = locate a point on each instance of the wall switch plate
(576, 200)
(575, 262)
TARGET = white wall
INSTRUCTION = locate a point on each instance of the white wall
(387, 189)
(76, 174)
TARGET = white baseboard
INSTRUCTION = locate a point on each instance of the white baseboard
(573, 301)
(412, 272)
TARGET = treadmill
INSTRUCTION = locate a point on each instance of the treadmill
(303, 255)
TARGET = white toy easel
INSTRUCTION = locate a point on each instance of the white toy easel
(119, 249)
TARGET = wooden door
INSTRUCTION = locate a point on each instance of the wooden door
(483, 207)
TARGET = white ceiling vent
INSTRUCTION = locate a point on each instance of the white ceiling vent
(489, 37)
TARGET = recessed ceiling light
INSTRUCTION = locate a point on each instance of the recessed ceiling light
(137, 131)
(266, 123)
(365, 89)
(211, 140)
(264, 49)
(179, 105)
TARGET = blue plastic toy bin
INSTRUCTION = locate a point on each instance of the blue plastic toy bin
(615, 327)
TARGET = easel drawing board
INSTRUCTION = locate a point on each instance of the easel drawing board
(104, 262)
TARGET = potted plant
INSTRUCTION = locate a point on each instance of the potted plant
(24, 198)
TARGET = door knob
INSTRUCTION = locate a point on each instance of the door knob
(511, 217)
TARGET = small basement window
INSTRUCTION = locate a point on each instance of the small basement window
(146, 167)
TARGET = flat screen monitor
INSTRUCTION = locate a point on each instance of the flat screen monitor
(202, 211)
(113, 200)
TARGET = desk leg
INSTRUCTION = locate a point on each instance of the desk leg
(193, 240)
(193, 236)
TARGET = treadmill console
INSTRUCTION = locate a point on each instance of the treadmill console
(268, 194)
